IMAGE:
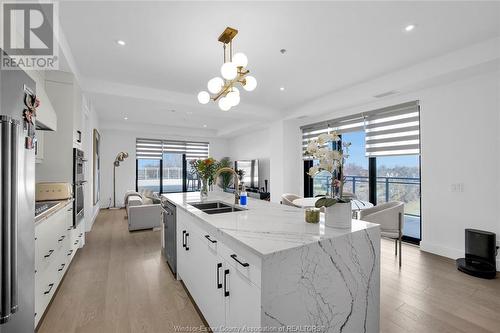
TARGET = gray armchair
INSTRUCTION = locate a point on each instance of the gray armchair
(390, 216)
(287, 199)
(142, 213)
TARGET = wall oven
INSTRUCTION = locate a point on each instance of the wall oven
(78, 184)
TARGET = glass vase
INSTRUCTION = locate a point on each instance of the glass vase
(204, 188)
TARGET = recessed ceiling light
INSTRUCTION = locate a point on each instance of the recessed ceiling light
(126, 118)
(204, 125)
(121, 42)
(282, 88)
(410, 27)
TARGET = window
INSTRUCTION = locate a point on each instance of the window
(384, 159)
(163, 165)
(356, 167)
(398, 179)
(172, 172)
(148, 175)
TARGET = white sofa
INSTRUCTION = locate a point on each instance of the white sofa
(142, 213)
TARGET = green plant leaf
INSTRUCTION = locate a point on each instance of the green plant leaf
(325, 202)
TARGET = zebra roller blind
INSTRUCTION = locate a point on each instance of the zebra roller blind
(154, 149)
(393, 130)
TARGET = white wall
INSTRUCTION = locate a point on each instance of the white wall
(90, 122)
(253, 146)
(116, 140)
(460, 135)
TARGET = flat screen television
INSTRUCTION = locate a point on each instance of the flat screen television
(250, 172)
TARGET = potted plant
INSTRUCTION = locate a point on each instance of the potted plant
(226, 177)
(205, 169)
(338, 211)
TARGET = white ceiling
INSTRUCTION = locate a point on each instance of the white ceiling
(172, 50)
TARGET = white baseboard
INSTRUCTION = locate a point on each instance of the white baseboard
(447, 251)
(89, 227)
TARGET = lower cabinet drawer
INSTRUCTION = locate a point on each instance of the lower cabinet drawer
(244, 262)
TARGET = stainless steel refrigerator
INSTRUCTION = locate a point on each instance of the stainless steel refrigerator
(17, 198)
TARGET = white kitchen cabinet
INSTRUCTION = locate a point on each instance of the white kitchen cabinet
(243, 303)
(222, 291)
(56, 242)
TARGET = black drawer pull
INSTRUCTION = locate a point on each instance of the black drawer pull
(187, 235)
(49, 254)
(61, 239)
(183, 238)
(244, 264)
(50, 288)
(211, 240)
(81, 234)
(70, 252)
(70, 228)
(219, 266)
(76, 242)
(62, 266)
(226, 292)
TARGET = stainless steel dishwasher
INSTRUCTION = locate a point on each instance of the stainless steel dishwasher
(169, 228)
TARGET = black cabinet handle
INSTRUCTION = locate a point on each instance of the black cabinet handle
(70, 228)
(61, 239)
(81, 234)
(76, 242)
(226, 292)
(50, 288)
(219, 266)
(49, 254)
(69, 253)
(211, 240)
(235, 257)
(183, 238)
(62, 266)
(187, 235)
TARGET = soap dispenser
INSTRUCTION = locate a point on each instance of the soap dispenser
(243, 196)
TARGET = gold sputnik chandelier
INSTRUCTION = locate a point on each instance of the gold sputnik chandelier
(233, 70)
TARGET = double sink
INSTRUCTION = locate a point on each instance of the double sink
(215, 207)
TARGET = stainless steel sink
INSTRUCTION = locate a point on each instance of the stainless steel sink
(209, 205)
(215, 207)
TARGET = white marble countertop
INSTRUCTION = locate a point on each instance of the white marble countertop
(265, 228)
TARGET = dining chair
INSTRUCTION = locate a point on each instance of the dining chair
(390, 216)
(287, 199)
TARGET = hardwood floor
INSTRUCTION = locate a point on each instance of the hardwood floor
(119, 283)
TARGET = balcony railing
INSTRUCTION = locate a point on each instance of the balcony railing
(405, 189)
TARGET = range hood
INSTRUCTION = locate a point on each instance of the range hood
(46, 117)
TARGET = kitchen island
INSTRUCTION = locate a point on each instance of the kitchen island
(265, 268)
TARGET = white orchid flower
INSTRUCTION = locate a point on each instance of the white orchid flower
(323, 138)
(312, 148)
(313, 171)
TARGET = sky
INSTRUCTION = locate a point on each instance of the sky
(357, 153)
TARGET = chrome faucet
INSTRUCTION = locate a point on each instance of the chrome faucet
(236, 182)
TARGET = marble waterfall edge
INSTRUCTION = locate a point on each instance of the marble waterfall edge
(333, 284)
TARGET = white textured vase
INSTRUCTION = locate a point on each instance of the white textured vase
(339, 215)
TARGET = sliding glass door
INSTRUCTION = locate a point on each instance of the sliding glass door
(148, 175)
(164, 166)
(172, 175)
(398, 179)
